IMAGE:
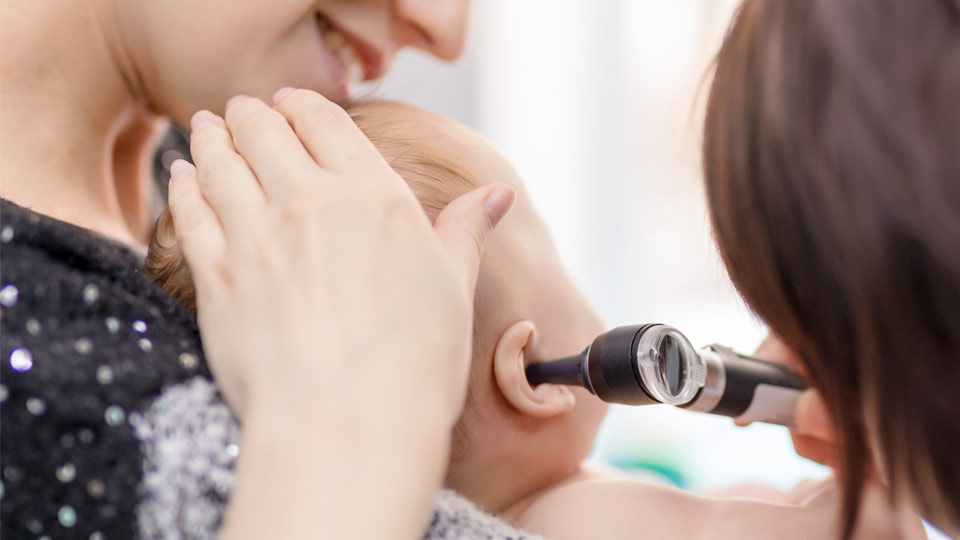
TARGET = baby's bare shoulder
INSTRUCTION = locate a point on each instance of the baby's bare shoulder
(598, 504)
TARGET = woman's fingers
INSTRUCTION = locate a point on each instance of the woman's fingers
(818, 450)
(329, 134)
(225, 180)
(198, 230)
(268, 144)
(774, 350)
(463, 226)
(812, 417)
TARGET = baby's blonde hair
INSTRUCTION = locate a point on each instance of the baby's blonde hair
(433, 175)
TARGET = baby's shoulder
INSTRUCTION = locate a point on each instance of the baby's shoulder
(596, 503)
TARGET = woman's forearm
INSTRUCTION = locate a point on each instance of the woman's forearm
(307, 475)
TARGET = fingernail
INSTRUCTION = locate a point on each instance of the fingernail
(498, 203)
(282, 93)
(203, 118)
(180, 168)
(235, 99)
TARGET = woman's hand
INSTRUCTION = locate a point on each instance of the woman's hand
(813, 437)
(336, 320)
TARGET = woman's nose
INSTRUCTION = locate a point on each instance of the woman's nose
(436, 26)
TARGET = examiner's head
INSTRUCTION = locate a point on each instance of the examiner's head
(832, 163)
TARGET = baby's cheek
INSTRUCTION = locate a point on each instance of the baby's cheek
(590, 413)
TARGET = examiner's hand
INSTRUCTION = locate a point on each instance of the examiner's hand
(335, 319)
(813, 437)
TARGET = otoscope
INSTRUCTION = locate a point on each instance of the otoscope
(655, 363)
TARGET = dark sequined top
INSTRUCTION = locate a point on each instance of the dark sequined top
(110, 425)
(88, 343)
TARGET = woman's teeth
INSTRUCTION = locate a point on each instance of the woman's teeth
(342, 49)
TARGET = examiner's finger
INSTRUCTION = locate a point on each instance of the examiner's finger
(817, 450)
(812, 417)
(328, 132)
(198, 231)
(227, 183)
(774, 350)
(268, 144)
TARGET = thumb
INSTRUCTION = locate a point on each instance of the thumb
(463, 226)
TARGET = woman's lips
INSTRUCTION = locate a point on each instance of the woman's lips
(349, 58)
(342, 63)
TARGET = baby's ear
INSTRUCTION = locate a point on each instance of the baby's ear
(509, 368)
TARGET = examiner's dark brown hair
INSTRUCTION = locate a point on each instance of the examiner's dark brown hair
(832, 164)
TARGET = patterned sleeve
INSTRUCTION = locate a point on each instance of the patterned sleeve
(82, 350)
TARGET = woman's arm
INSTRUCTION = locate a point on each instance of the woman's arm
(335, 318)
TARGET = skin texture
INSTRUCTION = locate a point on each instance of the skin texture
(80, 112)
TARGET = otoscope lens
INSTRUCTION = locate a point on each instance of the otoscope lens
(671, 365)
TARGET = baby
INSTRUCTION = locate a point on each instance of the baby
(518, 450)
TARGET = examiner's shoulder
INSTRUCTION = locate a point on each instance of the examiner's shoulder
(87, 344)
(601, 504)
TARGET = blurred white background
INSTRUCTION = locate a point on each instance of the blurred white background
(598, 106)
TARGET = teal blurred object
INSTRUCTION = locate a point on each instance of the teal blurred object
(700, 452)
(672, 474)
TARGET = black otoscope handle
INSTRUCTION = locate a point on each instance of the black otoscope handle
(748, 389)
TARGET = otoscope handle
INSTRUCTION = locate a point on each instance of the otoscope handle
(748, 389)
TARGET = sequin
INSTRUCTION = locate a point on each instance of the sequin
(67, 441)
(113, 324)
(9, 295)
(105, 374)
(66, 473)
(12, 473)
(114, 415)
(1, 489)
(21, 360)
(96, 535)
(6, 235)
(189, 360)
(4, 393)
(139, 326)
(233, 451)
(83, 345)
(96, 488)
(67, 516)
(145, 344)
(90, 293)
(85, 435)
(36, 406)
(33, 326)
(34, 526)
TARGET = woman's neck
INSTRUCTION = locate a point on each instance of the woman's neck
(72, 129)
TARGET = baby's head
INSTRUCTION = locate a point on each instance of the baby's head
(511, 438)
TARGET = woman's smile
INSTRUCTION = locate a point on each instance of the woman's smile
(349, 59)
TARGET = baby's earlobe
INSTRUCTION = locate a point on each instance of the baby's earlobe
(509, 367)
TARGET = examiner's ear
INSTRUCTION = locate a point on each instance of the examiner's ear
(509, 364)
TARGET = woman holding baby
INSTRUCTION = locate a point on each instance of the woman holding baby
(337, 319)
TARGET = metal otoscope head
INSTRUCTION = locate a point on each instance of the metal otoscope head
(655, 363)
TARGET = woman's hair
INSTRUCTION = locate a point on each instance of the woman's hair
(832, 165)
